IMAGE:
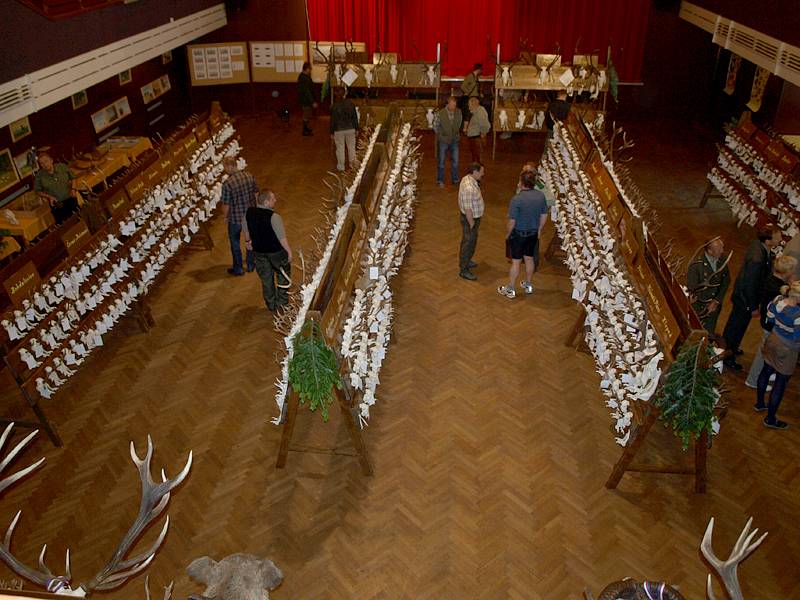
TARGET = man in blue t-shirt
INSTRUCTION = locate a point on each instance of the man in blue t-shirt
(527, 214)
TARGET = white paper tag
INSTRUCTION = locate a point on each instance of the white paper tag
(373, 273)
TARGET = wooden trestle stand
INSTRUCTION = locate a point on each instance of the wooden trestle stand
(332, 300)
(347, 406)
(668, 308)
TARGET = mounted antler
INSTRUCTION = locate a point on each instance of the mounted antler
(612, 150)
(167, 589)
(154, 500)
(726, 569)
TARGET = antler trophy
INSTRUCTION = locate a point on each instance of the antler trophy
(726, 569)
(119, 569)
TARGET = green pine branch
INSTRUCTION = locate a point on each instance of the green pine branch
(687, 398)
(313, 370)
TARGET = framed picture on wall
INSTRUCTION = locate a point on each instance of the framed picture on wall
(166, 57)
(20, 129)
(125, 77)
(8, 172)
(23, 168)
(79, 99)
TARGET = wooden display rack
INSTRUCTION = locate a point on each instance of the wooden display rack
(411, 76)
(525, 79)
(73, 238)
(771, 150)
(332, 300)
(668, 308)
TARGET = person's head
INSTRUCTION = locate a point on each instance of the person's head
(528, 180)
(306, 68)
(477, 68)
(339, 93)
(229, 164)
(562, 94)
(266, 199)
(476, 170)
(784, 267)
(452, 103)
(715, 248)
(473, 103)
(791, 292)
(528, 166)
(45, 161)
(768, 235)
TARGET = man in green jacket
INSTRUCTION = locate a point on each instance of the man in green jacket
(55, 183)
(448, 129)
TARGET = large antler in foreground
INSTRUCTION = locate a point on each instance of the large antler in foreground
(154, 500)
(726, 569)
(12, 479)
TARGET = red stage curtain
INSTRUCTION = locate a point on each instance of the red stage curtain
(469, 30)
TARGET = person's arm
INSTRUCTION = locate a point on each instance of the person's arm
(44, 195)
(694, 276)
(248, 241)
(439, 125)
(752, 279)
(468, 214)
(724, 282)
(465, 84)
(280, 233)
(510, 226)
(285, 243)
(225, 198)
(485, 126)
(543, 219)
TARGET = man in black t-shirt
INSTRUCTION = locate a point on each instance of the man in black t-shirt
(266, 236)
(557, 110)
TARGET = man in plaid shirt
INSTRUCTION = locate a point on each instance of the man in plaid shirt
(470, 202)
(238, 194)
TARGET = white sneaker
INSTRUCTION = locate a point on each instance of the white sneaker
(504, 290)
(527, 286)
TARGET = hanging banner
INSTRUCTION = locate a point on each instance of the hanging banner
(757, 94)
(733, 71)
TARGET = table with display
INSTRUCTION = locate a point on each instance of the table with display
(534, 82)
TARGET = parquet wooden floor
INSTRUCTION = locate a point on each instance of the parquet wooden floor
(490, 440)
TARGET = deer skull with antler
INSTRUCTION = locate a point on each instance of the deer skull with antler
(726, 569)
(154, 500)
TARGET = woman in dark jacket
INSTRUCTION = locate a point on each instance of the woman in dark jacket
(782, 273)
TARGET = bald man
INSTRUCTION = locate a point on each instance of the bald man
(238, 194)
(707, 287)
(266, 236)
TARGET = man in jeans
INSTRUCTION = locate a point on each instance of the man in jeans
(344, 123)
(527, 214)
(448, 129)
(470, 202)
(238, 194)
(265, 234)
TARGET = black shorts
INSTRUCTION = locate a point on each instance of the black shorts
(522, 244)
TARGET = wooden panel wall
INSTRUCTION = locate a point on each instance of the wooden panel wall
(66, 130)
(255, 20)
